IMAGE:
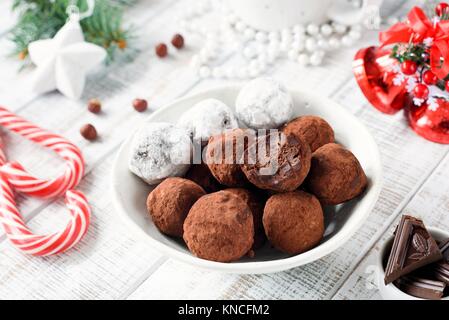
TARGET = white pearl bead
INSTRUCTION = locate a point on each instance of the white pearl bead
(249, 33)
(240, 26)
(356, 35)
(261, 36)
(204, 72)
(311, 44)
(320, 53)
(303, 59)
(229, 73)
(339, 28)
(347, 41)
(323, 44)
(255, 72)
(286, 36)
(254, 63)
(271, 57)
(299, 29)
(249, 52)
(242, 73)
(273, 35)
(217, 72)
(299, 37)
(262, 67)
(273, 50)
(285, 46)
(334, 43)
(298, 46)
(316, 59)
(326, 30)
(204, 55)
(262, 58)
(313, 29)
(292, 55)
(232, 18)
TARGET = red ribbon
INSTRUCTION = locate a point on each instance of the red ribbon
(416, 30)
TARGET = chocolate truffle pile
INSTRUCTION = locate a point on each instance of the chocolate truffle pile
(270, 186)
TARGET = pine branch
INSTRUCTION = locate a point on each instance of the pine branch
(41, 19)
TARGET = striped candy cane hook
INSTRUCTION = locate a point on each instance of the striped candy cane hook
(21, 180)
(43, 245)
(13, 175)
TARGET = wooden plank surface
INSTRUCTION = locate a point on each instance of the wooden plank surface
(112, 263)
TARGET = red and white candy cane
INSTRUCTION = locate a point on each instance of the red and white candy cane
(21, 180)
(12, 175)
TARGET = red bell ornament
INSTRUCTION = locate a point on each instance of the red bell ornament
(430, 121)
(373, 71)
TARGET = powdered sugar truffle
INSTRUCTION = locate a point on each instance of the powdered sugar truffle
(208, 118)
(160, 150)
(264, 103)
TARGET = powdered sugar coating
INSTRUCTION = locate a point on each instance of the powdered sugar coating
(160, 150)
(264, 103)
(208, 118)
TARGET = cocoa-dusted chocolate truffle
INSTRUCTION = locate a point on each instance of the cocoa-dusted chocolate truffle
(169, 203)
(293, 222)
(200, 174)
(256, 202)
(224, 153)
(277, 162)
(336, 175)
(312, 129)
(219, 227)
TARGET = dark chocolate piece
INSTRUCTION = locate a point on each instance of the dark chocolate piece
(413, 248)
(421, 288)
(277, 162)
(444, 247)
(440, 271)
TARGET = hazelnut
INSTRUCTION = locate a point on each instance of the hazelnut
(161, 50)
(94, 106)
(177, 41)
(140, 105)
(88, 132)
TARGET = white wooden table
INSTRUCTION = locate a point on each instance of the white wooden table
(112, 263)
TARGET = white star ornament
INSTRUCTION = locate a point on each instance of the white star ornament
(63, 62)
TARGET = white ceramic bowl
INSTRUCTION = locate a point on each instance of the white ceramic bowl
(129, 192)
(390, 291)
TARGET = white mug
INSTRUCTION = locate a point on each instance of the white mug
(272, 15)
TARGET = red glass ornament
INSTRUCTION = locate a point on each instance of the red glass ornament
(372, 70)
(409, 67)
(446, 85)
(421, 91)
(429, 78)
(441, 9)
(428, 122)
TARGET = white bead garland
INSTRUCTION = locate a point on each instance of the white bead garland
(305, 44)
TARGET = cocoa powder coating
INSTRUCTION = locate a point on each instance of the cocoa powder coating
(256, 202)
(225, 166)
(169, 203)
(200, 174)
(293, 222)
(336, 175)
(219, 227)
(312, 129)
